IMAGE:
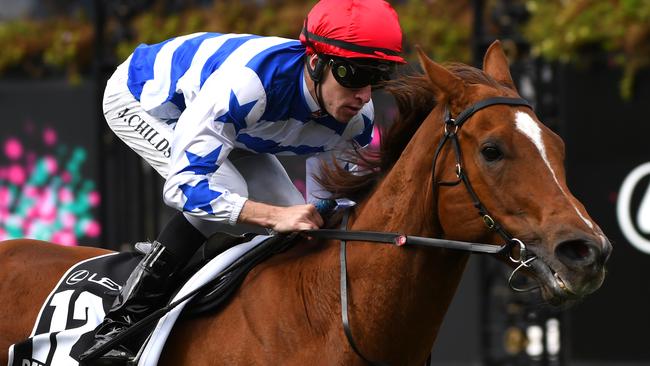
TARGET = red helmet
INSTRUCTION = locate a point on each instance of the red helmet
(353, 29)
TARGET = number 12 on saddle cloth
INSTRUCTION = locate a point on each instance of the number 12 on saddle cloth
(65, 326)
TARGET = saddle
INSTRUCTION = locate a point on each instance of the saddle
(218, 291)
(207, 283)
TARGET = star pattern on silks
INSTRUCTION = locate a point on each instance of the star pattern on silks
(199, 196)
(203, 165)
(236, 112)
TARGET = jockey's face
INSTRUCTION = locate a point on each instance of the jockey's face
(340, 102)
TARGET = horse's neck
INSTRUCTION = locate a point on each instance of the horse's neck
(404, 292)
(404, 201)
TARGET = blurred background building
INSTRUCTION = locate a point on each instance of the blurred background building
(64, 177)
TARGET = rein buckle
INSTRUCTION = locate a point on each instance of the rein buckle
(489, 222)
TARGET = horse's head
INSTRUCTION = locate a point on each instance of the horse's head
(514, 164)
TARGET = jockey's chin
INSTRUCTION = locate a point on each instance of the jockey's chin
(345, 113)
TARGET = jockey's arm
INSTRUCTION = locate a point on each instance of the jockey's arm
(203, 138)
(281, 219)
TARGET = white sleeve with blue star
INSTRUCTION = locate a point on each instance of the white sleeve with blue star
(232, 98)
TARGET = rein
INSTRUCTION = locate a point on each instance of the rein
(452, 126)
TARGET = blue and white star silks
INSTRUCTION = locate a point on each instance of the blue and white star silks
(203, 165)
(236, 113)
(200, 196)
(231, 91)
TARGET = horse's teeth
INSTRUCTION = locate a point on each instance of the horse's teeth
(560, 282)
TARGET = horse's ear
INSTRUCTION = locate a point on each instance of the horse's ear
(495, 64)
(444, 82)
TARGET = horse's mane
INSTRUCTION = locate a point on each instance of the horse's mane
(414, 97)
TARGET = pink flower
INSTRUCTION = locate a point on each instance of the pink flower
(4, 214)
(27, 225)
(13, 148)
(94, 198)
(5, 197)
(49, 136)
(34, 213)
(51, 164)
(31, 161)
(65, 196)
(66, 177)
(64, 237)
(47, 211)
(30, 191)
(16, 174)
(93, 229)
(68, 220)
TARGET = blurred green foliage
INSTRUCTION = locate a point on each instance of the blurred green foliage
(278, 18)
(560, 30)
(441, 27)
(36, 47)
(580, 31)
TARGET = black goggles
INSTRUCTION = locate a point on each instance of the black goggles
(359, 74)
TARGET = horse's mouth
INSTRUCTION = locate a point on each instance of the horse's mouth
(559, 287)
(555, 290)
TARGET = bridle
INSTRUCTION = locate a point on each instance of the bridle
(451, 128)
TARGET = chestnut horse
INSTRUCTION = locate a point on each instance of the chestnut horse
(288, 310)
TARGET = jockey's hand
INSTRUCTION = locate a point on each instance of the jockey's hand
(281, 219)
(297, 218)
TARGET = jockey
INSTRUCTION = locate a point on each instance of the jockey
(210, 111)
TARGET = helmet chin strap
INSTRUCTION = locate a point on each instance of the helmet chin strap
(316, 75)
(322, 112)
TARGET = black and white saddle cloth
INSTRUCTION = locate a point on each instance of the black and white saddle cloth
(84, 294)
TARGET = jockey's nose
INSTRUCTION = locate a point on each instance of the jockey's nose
(364, 94)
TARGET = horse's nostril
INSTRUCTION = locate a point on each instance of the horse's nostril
(577, 253)
(577, 250)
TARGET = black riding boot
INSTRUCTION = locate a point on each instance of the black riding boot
(146, 290)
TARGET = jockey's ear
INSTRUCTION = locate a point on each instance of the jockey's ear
(495, 64)
(446, 85)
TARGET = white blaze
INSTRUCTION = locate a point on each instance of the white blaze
(531, 130)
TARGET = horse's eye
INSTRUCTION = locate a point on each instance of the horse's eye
(491, 153)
